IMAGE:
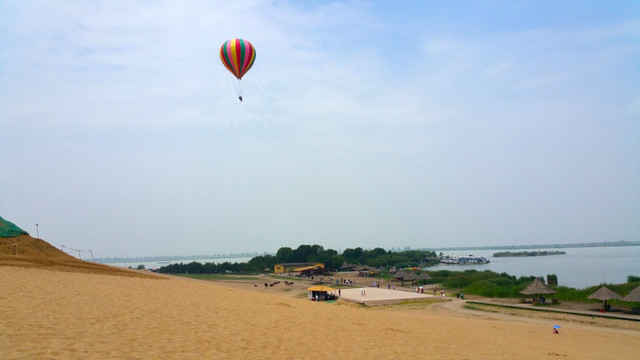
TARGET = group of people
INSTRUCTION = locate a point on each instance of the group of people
(345, 282)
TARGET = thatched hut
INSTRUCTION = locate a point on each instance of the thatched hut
(366, 270)
(423, 276)
(538, 289)
(405, 275)
(604, 294)
(633, 296)
(347, 267)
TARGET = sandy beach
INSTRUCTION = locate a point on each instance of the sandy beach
(47, 314)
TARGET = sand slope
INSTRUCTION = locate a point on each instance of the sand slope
(53, 306)
(70, 315)
(26, 251)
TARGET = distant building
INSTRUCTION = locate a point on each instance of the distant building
(302, 268)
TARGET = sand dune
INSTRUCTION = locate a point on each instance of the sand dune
(53, 306)
(26, 251)
(72, 315)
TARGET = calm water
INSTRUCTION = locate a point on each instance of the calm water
(579, 268)
(159, 264)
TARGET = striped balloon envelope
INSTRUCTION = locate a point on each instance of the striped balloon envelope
(238, 56)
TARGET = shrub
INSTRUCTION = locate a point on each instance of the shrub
(633, 278)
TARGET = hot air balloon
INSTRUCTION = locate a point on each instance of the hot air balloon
(237, 56)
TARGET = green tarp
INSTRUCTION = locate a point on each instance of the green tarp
(9, 229)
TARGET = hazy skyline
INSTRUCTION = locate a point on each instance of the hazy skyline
(363, 124)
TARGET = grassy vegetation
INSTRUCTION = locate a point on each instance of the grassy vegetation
(411, 305)
(491, 284)
(571, 294)
(482, 283)
(218, 277)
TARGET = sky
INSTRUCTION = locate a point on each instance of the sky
(364, 124)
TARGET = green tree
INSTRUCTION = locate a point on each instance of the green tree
(334, 262)
(306, 253)
(352, 256)
(259, 263)
(194, 268)
(284, 255)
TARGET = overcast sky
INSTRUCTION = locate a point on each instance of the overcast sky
(371, 124)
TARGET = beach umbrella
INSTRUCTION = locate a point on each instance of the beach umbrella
(633, 296)
(604, 294)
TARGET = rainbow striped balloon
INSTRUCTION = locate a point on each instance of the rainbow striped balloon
(238, 56)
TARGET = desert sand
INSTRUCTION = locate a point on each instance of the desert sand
(49, 312)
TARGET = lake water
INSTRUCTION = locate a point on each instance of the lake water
(579, 268)
(159, 264)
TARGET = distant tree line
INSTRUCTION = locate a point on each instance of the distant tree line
(377, 257)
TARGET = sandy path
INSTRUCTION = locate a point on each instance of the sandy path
(61, 315)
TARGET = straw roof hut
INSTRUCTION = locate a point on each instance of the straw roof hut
(423, 276)
(537, 287)
(366, 270)
(404, 275)
(633, 296)
(346, 266)
(604, 294)
(362, 267)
